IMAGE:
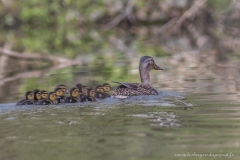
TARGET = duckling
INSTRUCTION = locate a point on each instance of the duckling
(60, 94)
(124, 90)
(99, 92)
(63, 87)
(90, 96)
(44, 94)
(28, 99)
(80, 88)
(36, 96)
(85, 90)
(74, 96)
(51, 99)
(107, 87)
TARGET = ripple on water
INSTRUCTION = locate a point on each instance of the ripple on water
(165, 119)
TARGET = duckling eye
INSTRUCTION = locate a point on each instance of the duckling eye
(92, 93)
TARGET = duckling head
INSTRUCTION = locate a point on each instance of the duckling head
(99, 88)
(29, 95)
(74, 92)
(63, 87)
(59, 91)
(37, 94)
(44, 94)
(85, 90)
(52, 96)
(107, 87)
(90, 92)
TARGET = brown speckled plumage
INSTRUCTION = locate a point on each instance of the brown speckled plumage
(144, 88)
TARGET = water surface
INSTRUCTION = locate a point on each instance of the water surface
(196, 114)
(146, 127)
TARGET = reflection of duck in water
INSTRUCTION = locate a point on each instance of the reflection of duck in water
(144, 88)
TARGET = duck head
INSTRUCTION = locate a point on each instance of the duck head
(145, 66)
(44, 94)
(52, 96)
(64, 88)
(36, 94)
(74, 92)
(59, 92)
(99, 88)
(90, 92)
(107, 87)
(29, 95)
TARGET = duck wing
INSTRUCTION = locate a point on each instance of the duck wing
(128, 85)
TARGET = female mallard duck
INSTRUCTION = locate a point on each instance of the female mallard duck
(99, 92)
(107, 88)
(51, 99)
(90, 96)
(28, 99)
(74, 96)
(144, 88)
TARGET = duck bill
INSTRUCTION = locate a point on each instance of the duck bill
(156, 67)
